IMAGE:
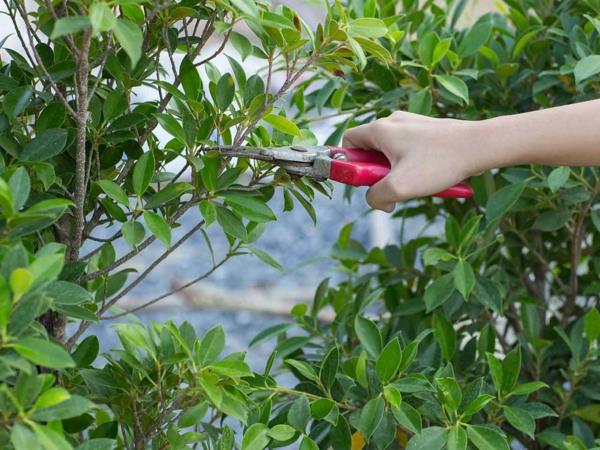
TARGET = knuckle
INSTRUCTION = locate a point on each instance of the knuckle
(380, 126)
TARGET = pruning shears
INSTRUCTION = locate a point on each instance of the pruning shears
(352, 166)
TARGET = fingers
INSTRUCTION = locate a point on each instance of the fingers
(387, 192)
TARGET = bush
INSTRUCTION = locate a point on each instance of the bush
(80, 150)
(485, 337)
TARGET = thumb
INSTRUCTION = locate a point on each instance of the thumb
(384, 194)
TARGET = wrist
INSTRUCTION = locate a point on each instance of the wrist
(493, 143)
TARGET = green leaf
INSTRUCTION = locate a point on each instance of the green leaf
(208, 210)
(20, 281)
(320, 409)
(528, 388)
(129, 35)
(282, 124)
(511, 369)
(66, 293)
(86, 351)
(485, 438)
(249, 206)
(50, 439)
(101, 17)
(389, 360)
(426, 47)
(329, 367)
(281, 432)
(17, 100)
(231, 224)
(74, 406)
(247, 7)
(69, 25)
(368, 27)
(520, 419)
(457, 438)
(304, 368)
(368, 335)
(242, 44)
(591, 324)
(464, 278)
(370, 417)
(211, 346)
(558, 177)
(225, 92)
(114, 191)
(172, 126)
(552, 220)
(20, 186)
(256, 437)
(455, 86)
(97, 444)
(133, 232)
(408, 417)
(231, 368)
(6, 199)
(495, 366)
(421, 102)
(502, 200)
(266, 258)
(523, 41)
(308, 444)
(438, 292)
(590, 413)
(433, 255)
(432, 438)
(340, 437)
(445, 335)
(299, 414)
(167, 194)
(358, 52)
(441, 50)
(586, 68)
(43, 353)
(450, 392)
(22, 438)
(477, 405)
(45, 145)
(392, 395)
(477, 36)
(143, 171)
(158, 226)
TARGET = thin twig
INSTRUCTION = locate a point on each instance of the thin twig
(173, 291)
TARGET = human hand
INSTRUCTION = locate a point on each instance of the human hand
(427, 155)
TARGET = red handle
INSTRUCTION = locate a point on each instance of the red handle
(360, 167)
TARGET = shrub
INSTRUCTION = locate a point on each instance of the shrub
(484, 333)
(480, 338)
(80, 150)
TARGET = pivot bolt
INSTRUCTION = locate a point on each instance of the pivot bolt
(340, 156)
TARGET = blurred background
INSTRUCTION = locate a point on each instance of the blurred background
(245, 295)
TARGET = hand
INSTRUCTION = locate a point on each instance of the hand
(427, 155)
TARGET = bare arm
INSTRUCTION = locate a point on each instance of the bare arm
(429, 155)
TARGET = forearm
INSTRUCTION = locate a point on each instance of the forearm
(567, 135)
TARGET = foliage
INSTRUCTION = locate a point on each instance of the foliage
(86, 104)
(477, 339)
(481, 329)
